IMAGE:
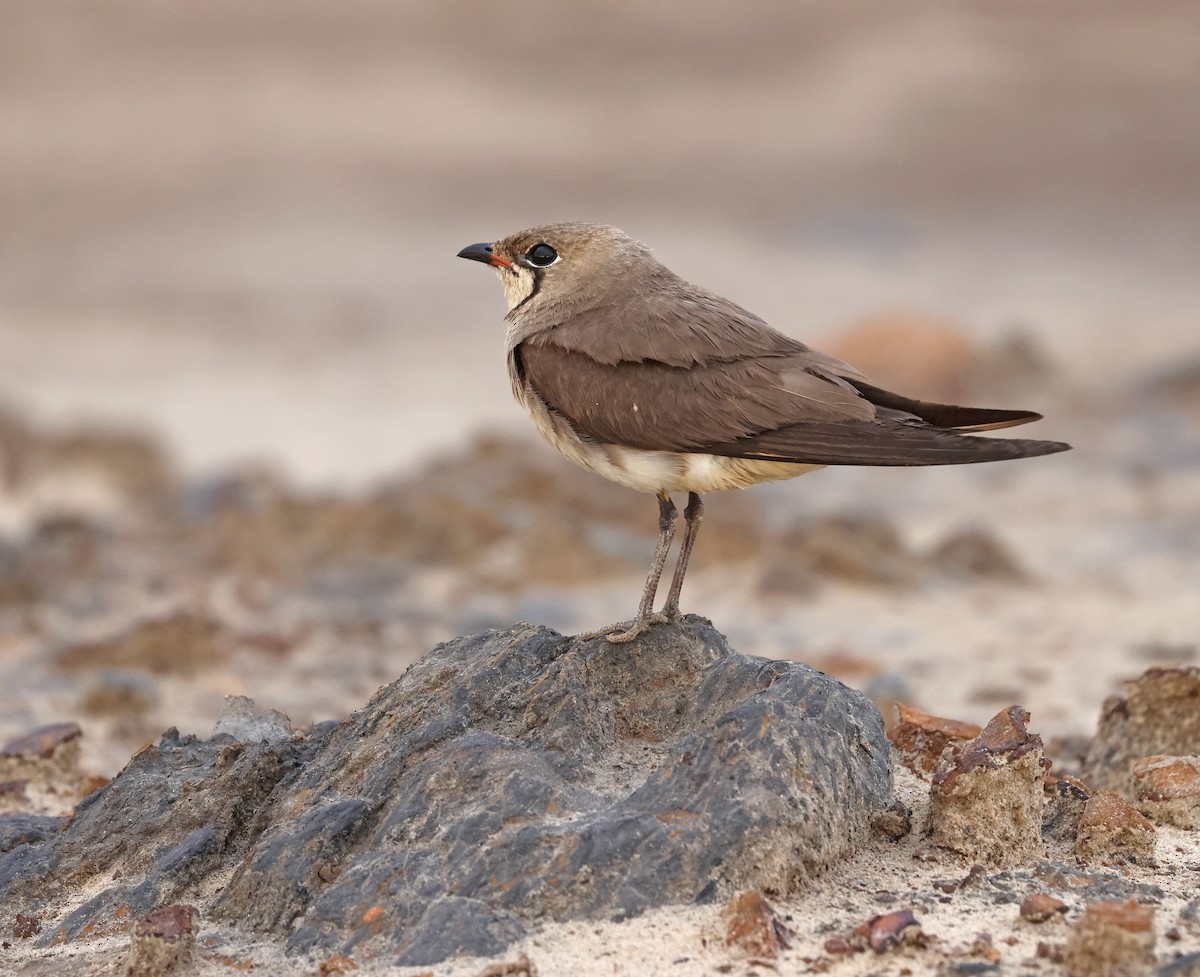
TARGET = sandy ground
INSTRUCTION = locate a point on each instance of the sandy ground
(236, 231)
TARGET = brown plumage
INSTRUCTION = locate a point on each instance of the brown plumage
(662, 386)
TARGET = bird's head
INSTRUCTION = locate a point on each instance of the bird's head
(557, 267)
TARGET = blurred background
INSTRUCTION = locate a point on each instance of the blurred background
(244, 377)
(237, 223)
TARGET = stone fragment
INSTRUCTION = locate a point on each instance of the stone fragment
(162, 942)
(1111, 939)
(986, 799)
(26, 926)
(1050, 951)
(893, 823)
(1158, 715)
(40, 771)
(42, 744)
(1067, 799)
(1040, 907)
(882, 933)
(246, 722)
(1112, 832)
(1167, 789)
(506, 778)
(752, 926)
(921, 740)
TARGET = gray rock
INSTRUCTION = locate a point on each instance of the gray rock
(245, 722)
(27, 829)
(506, 778)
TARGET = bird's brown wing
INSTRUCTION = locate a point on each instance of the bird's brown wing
(668, 408)
(789, 407)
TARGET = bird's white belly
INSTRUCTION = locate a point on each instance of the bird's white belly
(653, 471)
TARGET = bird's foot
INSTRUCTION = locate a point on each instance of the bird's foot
(624, 631)
(670, 611)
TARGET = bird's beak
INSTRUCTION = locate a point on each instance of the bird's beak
(483, 252)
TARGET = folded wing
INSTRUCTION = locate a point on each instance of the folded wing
(712, 378)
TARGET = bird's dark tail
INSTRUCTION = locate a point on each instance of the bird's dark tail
(946, 416)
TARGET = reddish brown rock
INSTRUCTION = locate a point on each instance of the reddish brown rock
(1167, 789)
(920, 740)
(162, 941)
(26, 926)
(986, 799)
(39, 772)
(1111, 939)
(1112, 832)
(1050, 951)
(1158, 715)
(752, 926)
(1040, 907)
(882, 933)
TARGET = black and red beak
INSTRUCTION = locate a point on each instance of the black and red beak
(483, 252)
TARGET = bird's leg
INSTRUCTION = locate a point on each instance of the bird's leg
(628, 630)
(691, 522)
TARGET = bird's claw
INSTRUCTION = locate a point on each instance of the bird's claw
(624, 631)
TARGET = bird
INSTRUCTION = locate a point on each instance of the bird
(664, 387)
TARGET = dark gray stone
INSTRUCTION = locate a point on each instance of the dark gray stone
(452, 925)
(506, 778)
(1092, 886)
(27, 829)
(25, 868)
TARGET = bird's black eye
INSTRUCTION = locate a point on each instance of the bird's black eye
(541, 255)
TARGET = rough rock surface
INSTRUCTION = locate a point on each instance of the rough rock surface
(986, 799)
(1067, 798)
(506, 777)
(1112, 832)
(161, 942)
(921, 740)
(1168, 790)
(1159, 715)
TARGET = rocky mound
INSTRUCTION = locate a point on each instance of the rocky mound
(507, 777)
